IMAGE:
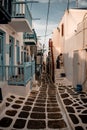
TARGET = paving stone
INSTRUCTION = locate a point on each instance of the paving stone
(84, 100)
(79, 128)
(54, 115)
(9, 100)
(12, 96)
(64, 95)
(33, 96)
(84, 112)
(44, 96)
(36, 124)
(85, 105)
(78, 110)
(80, 102)
(43, 92)
(56, 109)
(56, 124)
(15, 106)
(40, 101)
(19, 123)
(34, 92)
(40, 104)
(51, 96)
(43, 89)
(31, 99)
(7, 104)
(79, 107)
(38, 115)
(70, 109)
(52, 105)
(75, 104)
(41, 97)
(51, 92)
(23, 114)
(83, 118)
(11, 112)
(78, 99)
(5, 122)
(51, 101)
(74, 118)
(18, 101)
(82, 95)
(26, 108)
(67, 101)
(21, 98)
(38, 109)
(29, 103)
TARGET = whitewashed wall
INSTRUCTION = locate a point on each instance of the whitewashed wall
(73, 37)
(17, 36)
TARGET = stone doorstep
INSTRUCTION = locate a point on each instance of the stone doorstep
(66, 114)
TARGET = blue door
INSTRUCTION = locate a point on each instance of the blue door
(17, 52)
(11, 55)
(1, 56)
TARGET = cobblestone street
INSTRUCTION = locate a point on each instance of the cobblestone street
(46, 107)
(39, 110)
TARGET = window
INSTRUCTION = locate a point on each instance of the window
(10, 51)
(62, 30)
(0, 45)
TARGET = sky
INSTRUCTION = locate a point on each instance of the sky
(56, 12)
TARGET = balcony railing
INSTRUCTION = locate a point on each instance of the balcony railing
(18, 74)
(21, 20)
(20, 10)
(5, 11)
(30, 38)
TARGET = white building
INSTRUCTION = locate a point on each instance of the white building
(17, 68)
(69, 37)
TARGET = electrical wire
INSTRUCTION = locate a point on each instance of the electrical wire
(45, 35)
(47, 20)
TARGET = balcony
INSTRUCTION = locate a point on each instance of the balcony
(5, 11)
(21, 17)
(18, 74)
(30, 38)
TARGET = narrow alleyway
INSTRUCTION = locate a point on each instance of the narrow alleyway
(39, 110)
(47, 107)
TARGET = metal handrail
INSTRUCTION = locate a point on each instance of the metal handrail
(17, 74)
(21, 10)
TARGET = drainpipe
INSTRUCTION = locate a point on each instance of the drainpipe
(77, 3)
(83, 33)
(68, 5)
(85, 16)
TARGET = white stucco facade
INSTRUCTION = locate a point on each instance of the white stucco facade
(72, 36)
(17, 37)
